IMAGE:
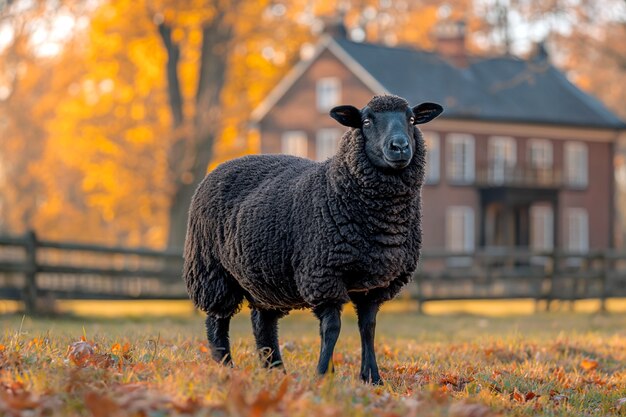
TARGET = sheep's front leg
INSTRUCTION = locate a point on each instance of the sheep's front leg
(329, 316)
(366, 312)
(265, 328)
(217, 334)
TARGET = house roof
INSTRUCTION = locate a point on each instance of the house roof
(506, 89)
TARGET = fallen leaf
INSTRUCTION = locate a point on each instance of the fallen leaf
(80, 352)
(589, 364)
(557, 398)
(521, 397)
(470, 410)
(101, 405)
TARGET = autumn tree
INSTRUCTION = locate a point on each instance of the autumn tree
(27, 98)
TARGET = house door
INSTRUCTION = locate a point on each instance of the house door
(506, 226)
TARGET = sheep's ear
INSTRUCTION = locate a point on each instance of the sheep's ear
(426, 112)
(347, 115)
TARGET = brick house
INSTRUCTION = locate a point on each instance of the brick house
(520, 158)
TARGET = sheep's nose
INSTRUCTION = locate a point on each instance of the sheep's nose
(399, 144)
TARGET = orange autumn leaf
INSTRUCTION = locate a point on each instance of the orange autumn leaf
(101, 405)
(521, 397)
(588, 364)
(80, 352)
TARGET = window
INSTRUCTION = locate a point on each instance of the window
(294, 142)
(577, 229)
(502, 158)
(328, 93)
(541, 228)
(327, 141)
(432, 157)
(540, 154)
(460, 229)
(576, 164)
(460, 158)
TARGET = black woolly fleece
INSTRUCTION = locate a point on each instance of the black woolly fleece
(286, 232)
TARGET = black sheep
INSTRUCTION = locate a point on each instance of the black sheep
(288, 233)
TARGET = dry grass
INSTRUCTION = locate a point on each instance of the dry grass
(557, 364)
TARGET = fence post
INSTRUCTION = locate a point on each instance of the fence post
(30, 284)
(606, 270)
(417, 277)
(550, 292)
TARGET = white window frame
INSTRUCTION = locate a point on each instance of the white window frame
(576, 161)
(327, 93)
(543, 148)
(577, 230)
(433, 157)
(465, 174)
(502, 155)
(326, 143)
(294, 142)
(541, 228)
(460, 224)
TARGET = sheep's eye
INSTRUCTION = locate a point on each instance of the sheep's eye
(367, 123)
(412, 120)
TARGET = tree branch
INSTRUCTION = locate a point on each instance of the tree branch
(173, 82)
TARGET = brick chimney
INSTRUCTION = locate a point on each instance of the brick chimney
(450, 42)
(335, 27)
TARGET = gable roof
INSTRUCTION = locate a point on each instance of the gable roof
(505, 89)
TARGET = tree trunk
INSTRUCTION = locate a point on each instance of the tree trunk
(192, 154)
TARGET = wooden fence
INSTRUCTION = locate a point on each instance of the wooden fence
(33, 270)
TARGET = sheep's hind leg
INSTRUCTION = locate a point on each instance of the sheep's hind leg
(329, 316)
(265, 328)
(217, 334)
(366, 312)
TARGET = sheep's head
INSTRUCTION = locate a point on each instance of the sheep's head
(387, 125)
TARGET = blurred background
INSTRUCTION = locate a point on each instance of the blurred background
(111, 112)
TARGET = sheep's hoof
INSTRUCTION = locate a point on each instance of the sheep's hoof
(372, 379)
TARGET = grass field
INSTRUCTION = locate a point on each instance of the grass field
(557, 364)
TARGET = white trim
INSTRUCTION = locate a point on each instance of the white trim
(325, 87)
(557, 132)
(541, 227)
(295, 142)
(358, 70)
(460, 224)
(326, 42)
(548, 152)
(502, 157)
(288, 80)
(468, 176)
(326, 143)
(576, 164)
(577, 230)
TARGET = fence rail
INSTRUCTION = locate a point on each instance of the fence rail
(32, 270)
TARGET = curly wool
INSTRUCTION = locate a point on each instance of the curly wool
(386, 103)
(286, 232)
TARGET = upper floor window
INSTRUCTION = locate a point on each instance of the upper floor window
(294, 142)
(460, 161)
(576, 165)
(328, 93)
(540, 154)
(577, 230)
(326, 143)
(433, 156)
(502, 158)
